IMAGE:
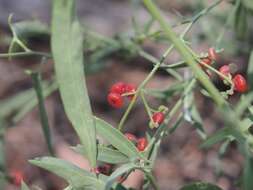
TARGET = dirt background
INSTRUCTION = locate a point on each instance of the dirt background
(180, 159)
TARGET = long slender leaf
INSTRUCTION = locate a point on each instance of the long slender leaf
(248, 173)
(24, 186)
(33, 101)
(75, 176)
(118, 172)
(217, 137)
(116, 138)
(67, 47)
(250, 70)
(201, 186)
(36, 78)
(240, 22)
(106, 154)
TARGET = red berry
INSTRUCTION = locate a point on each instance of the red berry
(17, 177)
(205, 61)
(118, 88)
(130, 88)
(115, 100)
(212, 55)
(158, 117)
(142, 144)
(225, 70)
(105, 169)
(240, 83)
(131, 137)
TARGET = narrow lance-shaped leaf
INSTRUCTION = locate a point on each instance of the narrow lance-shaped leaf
(106, 154)
(75, 176)
(116, 138)
(217, 137)
(201, 186)
(250, 70)
(118, 172)
(24, 186)
(67, 47)
(248, 173)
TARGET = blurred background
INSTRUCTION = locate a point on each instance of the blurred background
(180, 159)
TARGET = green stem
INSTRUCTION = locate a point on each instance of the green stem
(146, 106)
(182, 49)
(21, 54)
(152, 180)
(123, 119)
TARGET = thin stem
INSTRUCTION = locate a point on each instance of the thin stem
(21, 54)
(123, 119)
(152, 180)
(146, 106)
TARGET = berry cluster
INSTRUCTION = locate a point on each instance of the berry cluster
(140, 143)
(238, 82)
(118, 91)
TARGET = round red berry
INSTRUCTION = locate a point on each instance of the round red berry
(130, 88)
(17, 177)
(142, 144)
(212, 55)
(118, 88)
(115, 100)
(131, 137)
(240, 83)
(158, 117)
(225, 70)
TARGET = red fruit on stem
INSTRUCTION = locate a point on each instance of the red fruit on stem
(131, 137)
(115, 100)
(212, 55)
(130, 88)
(158, 117)
(142, 144)
(118, 88)
(17, 177)
(225, 70)
(105, 169)
(205, 61)
(240, 83)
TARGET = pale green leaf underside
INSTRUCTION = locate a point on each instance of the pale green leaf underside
(67, 48)
(75, 176)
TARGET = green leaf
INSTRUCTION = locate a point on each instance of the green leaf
(250, 70)
(36, 79)
(29, 104)
(30, 28)
(240, 21)
(75, 176)
(106, 154)
(200, 186)
(243, 104)
(13, 103)
(217, 137)
(118, 172)
(116, 138)
(248, 173)
(248, 4)
(67, 48)
(24, 186)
